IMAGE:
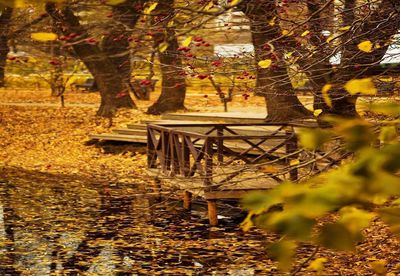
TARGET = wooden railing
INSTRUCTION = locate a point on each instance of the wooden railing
(196, 150)
(218, 156)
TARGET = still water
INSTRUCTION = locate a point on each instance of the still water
(65, 225)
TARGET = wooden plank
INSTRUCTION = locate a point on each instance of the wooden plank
(239, 117)
(137, 126)
(119, 137)
(128, 131)
(231, 194)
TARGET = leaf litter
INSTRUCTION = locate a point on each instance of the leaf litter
(67, 207)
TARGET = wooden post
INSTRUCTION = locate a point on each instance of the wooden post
(220, 144)
(291, 146)
(212, 212)
(174, 163)
(208, 157)
(151, 150)
(185, 168)
(212, 203)
(187, 200)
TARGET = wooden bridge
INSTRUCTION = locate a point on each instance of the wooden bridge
(222, 160)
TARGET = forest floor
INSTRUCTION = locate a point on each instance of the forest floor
(77, 206)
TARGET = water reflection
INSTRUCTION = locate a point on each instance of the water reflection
(65, 225)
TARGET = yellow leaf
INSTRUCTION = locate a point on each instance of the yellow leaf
(379, 267)
(187, 41)
(365, 46)
(171, 23)
(294, 162)
(247, 224)
(364, 86)
(44, 36)
(265, 63)
(114, 2)
(317, 112)
(386, 79)
(287, 33)
(209, 6)
(151, 8)
(305, 33)
(325, 95)
(272, 22)
(317, 265)
(163, 47)
(235, 2)
(330, 38)
(299, 83)
(288, 55)
(345, 28)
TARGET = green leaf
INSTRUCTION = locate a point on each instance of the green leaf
(388, 134)
(259, 202)
(355, 219)
(337, 236)
(290, 223)
(282, 251)
(313, 138)
(392, 217)
(390, 108)
(317, 265)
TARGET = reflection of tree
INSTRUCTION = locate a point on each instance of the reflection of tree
(74, 225)
(7, 257)
(114, 224)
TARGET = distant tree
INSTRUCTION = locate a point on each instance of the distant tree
(173, 89)
(114, 90)
(116, 42)
(278, 32)
(272, 83)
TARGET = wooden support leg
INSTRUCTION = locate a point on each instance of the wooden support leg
(187, 200)
(212, 212)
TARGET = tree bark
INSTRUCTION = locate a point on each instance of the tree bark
(378, 27)
(116, 43)
(273, 83)
(5, 19)
(319, 70)
(173, 91)
(113, 90)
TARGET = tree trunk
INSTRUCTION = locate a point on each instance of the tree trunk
(116, 43)
(378, 27)
(173, 89)
(114, 92)
(273, 83)
(319, 70)
(5, 19)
